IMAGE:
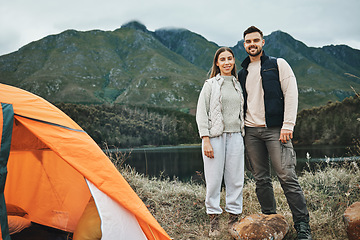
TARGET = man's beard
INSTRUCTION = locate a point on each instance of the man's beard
(254, 54)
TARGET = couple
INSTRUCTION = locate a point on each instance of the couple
(259, 107)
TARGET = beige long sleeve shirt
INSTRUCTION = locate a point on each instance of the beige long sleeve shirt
(255, 115)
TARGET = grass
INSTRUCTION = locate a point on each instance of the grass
(179, 207)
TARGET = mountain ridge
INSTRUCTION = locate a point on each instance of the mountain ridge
(166, 67)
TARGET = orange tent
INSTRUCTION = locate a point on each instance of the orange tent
(53, 167)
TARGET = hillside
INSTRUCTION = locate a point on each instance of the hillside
(167, 67)
(123, 66)
(120, 126)
(336, 123)
(124, 126)
(323, 74)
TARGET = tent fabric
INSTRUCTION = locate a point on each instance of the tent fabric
(119, 218)
(54, 156)
(89, 225)
(6, 118)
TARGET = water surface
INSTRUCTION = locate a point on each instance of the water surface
(185, 162)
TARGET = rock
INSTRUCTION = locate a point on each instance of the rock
(260, 226)
(352, 221)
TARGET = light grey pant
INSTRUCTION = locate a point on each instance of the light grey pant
(262, 143)
(228, 163)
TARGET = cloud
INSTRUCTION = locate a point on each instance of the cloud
(314, 22)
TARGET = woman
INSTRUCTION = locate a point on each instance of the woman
(219, 117)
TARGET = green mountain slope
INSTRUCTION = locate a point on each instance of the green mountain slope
(193, 47)
(167, 67)
(123, 66)
(322, 75)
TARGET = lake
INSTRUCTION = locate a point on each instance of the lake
(185, 162)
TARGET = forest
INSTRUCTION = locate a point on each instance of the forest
(337, 123)
(126, 126)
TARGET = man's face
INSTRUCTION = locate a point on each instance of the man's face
(253, 43)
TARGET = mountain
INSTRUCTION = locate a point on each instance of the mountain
(193, 47)
(167, 67)
(123, 66)
(323, 74)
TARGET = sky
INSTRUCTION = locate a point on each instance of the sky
(314, 22)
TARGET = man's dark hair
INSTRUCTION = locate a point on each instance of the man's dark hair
(253, 29)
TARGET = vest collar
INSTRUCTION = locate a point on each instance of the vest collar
(246, 61)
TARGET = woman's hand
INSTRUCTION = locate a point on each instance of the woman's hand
(208, 150)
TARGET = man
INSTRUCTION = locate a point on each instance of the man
(271, 100)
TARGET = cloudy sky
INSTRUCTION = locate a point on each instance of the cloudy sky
(314, 22)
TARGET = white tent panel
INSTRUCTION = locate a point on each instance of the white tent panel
(116, 222)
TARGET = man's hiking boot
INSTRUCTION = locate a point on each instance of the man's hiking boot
(214, 225)
(303, 231)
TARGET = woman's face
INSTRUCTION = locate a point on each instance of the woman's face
(225, 63)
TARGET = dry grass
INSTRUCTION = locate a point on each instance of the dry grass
(179, 207)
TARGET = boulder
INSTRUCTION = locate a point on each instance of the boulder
(260, 226)
(352, 221)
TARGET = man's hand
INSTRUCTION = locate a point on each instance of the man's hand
(285, 135)
(208, 150)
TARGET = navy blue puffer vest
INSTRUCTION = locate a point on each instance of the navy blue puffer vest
(273, 95)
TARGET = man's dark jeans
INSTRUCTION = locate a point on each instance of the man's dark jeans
(262, 143)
